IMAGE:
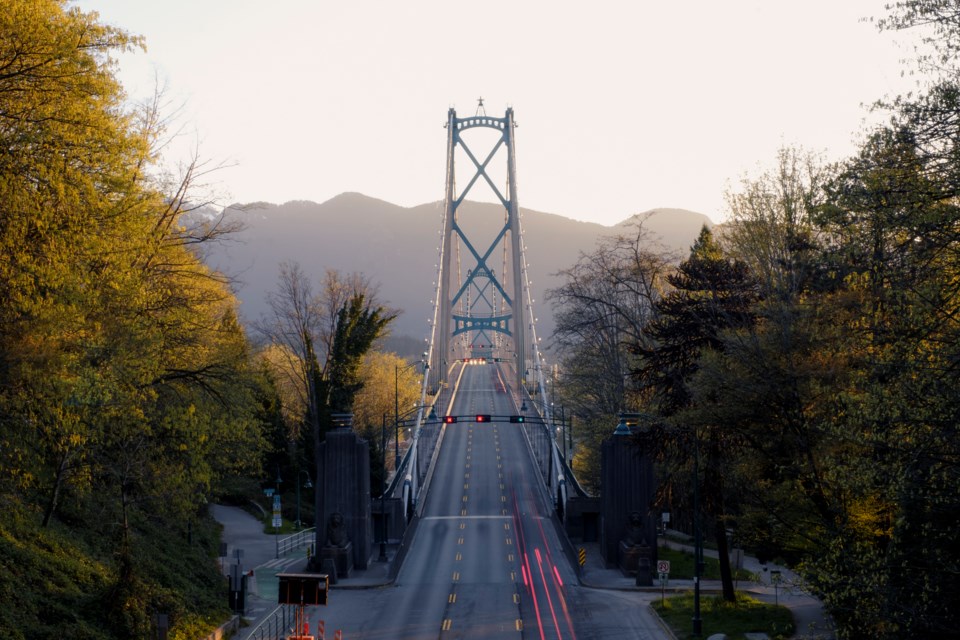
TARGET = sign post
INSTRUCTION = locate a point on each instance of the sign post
(663, 568)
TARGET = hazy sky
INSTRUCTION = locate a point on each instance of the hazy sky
(622, 106)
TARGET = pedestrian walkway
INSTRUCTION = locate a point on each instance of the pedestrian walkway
(260, 563)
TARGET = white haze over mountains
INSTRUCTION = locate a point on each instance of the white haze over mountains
(397, 247)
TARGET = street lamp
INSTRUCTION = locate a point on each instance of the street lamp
(697, 541)
(383, 490)
(306, 485)
(563, 436)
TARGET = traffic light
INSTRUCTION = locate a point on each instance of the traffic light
(483, 417)
(516, 418)
(449, 419)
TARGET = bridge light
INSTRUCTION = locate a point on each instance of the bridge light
(483, 417)
(516, 418)
(449, 419)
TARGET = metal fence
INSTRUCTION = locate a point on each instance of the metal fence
(275, 626)
(295, 541)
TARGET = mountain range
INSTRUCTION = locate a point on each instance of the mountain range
(398, 248)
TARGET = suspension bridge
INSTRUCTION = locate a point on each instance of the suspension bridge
(483, 504)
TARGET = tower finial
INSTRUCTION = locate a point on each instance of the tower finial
(480, 110)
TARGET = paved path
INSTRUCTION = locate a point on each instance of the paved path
(242, 531)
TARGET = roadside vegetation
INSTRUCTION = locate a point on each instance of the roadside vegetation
(130, 395)
(798, 368)
(745, 615)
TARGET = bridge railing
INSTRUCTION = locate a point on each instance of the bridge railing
(411, 474)
(555, 472)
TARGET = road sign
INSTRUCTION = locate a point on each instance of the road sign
(303, 589)
(277, 517)
(583, 556)
(663, 566)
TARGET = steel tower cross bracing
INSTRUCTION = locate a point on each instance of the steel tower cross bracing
(467, 302)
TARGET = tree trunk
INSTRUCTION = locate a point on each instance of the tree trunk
(54, 500)
(723, 550)
(714, 498)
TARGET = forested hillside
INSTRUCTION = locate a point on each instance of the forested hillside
(398, 247)
(126, 386)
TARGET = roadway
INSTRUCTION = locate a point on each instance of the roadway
(486, 560)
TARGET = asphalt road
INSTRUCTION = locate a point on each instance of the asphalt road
(486, 561)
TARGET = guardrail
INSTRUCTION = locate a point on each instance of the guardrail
(296, 540)
(275, 626)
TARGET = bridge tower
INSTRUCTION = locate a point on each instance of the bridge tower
(481, 293)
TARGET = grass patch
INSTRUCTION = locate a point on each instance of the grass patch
(681, 566)
(746, 615)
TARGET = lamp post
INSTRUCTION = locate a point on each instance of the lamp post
(697, 542)
(383, 490)
(306, 485)
(563, 436)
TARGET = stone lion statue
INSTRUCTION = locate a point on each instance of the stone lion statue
(635, 534)
(336, 531)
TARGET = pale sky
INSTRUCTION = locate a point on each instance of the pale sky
(623, 105)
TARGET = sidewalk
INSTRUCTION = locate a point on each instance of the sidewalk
(259, 555)
(243, 531)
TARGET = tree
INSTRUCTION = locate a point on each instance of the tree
(301, 331)
(711, 294)
(939, 22)
(122, 364)
(766, 384)
(380, 371)
(770, 223)
(842, 393)
(893, 212)
(601, 309)
(359, 324)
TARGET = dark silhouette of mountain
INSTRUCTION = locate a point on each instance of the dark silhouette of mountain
(398, 248)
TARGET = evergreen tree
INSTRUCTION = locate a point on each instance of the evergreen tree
(711, 295)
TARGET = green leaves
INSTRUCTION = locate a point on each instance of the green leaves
(125, 386)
